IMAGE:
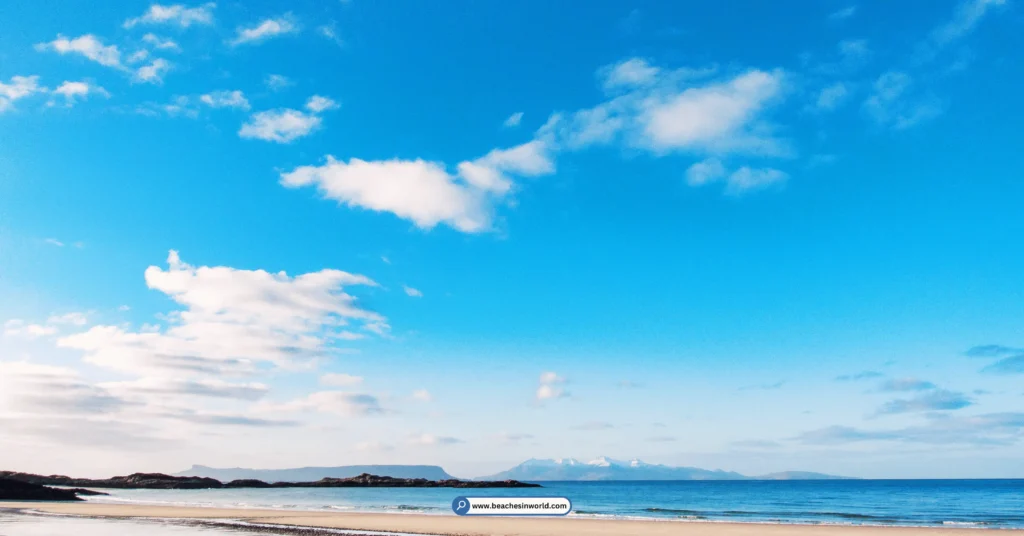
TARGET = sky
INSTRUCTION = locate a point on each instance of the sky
(750, 236)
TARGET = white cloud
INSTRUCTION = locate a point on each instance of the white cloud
(843, 14)
(317, 104)
(514, 120)
(18, 328)
(422, 395)
(138, 55)
(705, 171)
(335, 402)
(124, 308)
(87, 45)
(411, 292)
(32, 390)
(73, 91)
(890, 105)
(160, 43)
(549, 388)
(281, 126)
(54, 242)
(175, 14)
(154, 72)
(420, 191)
(373, 446)
(968, 14)
(746, 179)
(225, 99)
(830, 97)
(340, 380)
(331, 33)
(277, 82)
(18, 88)
(631, 73)
(431, 440)
(713, 118)
(231, 321)
(72, 319)
(488, 172)
(185, 387)
(266, 29)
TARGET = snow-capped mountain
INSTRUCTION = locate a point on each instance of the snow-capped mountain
(604, 468)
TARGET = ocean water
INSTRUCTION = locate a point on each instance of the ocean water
(973, 503)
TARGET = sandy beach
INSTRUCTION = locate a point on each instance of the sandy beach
(470, 526)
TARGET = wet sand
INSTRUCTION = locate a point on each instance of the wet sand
(450, 525)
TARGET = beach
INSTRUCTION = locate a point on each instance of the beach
(476, 526)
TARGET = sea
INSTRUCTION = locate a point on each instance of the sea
(992, 504)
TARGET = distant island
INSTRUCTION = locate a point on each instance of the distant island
(162, 481)
(604, 468)
(310, 474)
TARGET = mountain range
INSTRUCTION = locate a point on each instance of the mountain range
(605, 468)
(532, 470)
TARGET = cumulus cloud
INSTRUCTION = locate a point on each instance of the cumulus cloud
(88, 46)
(231, 321)
(277, 82)
(340, 380)
(550, 387)
(266, 29)
(72, 92)
(411, 292)
(19, 328)
(630, 73)
(281, 126)
(18, 88)
(738, 182)
(175, 14)
(28, 389)
(830, 97)
(160, 43)
(225, 99)
(317, 104)
(154, 72)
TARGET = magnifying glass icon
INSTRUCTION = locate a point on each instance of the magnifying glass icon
(462, 505)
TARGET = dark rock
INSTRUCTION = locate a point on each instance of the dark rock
(14, 490)
(247, 483)
(87, 492)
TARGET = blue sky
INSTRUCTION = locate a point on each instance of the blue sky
(318, 233)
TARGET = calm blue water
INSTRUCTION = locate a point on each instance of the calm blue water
(980, 503)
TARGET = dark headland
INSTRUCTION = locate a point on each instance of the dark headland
(162, 481)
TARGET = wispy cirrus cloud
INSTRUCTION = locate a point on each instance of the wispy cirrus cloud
(264, 30)
(1010, 360)
(985, 429)
(174, 14)
(935, 400)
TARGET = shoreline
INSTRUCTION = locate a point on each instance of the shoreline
(301, 521)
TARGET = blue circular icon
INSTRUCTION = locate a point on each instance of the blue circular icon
(460, 506)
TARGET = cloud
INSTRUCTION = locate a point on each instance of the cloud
(630, 73)
(705, 171)
(340, 380)
(422, 395)
(266, 29)
(154, 72)
(160, 43)
(373, 446)
(830, 97)
(430, 440)
(277, 82)
(18, 328)
(176, 14)
(1008, 365)
(72, 92)
(223, 419)
(280, 126)
(330, 32)
(187, 387)
(550, 387)
(179, 106)
(662, 439)
(993, 350)
(1011, 359)
(940, 429)
(889, 105)
(411, 292)
(231, 321)
(937, 400)
(906, 384)
(763, 386)
(317, 104)
(340, 403)
(72, 318)
(843, 14)
(513, 120)
(18, 88)
(747, 179)
(511, 438)
(968, 15)
(28, 389)
(54, 242)
(89, 46)
(757, 444)
(866, 375)
(226, 99)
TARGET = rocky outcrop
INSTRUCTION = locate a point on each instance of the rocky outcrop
(14, 490)
(162, 481)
